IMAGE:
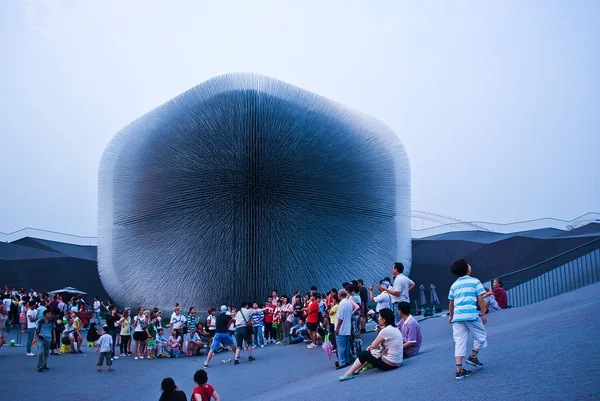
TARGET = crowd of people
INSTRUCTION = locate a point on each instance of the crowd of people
(338, 317)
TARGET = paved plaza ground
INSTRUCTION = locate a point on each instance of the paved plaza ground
(544, 351)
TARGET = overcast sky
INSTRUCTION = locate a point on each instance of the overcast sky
(497, 103)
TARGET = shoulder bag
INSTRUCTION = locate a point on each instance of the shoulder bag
(248, 324)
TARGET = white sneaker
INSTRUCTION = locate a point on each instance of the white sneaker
(135, 357)
(262, 346)
(141, 357)
(115, 357)
(30, 354)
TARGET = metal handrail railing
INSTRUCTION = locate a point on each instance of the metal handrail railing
(562, 273)
(572, 250)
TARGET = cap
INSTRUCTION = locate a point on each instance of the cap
(223, 307)
(385, 283)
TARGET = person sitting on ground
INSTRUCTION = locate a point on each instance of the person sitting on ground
(170, 391)
(173, 344)
(411, 331)
(499, 293)
(161, 343)
(195, 344)
(72, 333)
(491, 300)
(299, 332)
(204, 391)
(391, 340)
(371, 314)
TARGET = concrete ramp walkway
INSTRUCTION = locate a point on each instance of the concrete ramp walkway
(547, 351)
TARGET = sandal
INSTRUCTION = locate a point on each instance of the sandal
(111, 370)
(99, 370)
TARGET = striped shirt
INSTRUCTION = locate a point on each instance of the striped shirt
(464, 293)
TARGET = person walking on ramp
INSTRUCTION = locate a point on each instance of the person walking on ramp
(464, 295)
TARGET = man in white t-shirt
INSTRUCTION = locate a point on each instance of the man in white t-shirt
(177, 322)
(402, 285)
(96, 306)
(32, 318)
(7, 303)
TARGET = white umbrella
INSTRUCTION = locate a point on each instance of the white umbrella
(433, 296)
(422, 292)
(68, 290)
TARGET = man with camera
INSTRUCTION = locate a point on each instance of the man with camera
(402, 285)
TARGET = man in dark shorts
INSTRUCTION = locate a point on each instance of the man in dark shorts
(222, 335)
(364, 298)
(243, 321)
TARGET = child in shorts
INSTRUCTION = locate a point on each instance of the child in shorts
(151, 344)
(464, 295)
(104, 345)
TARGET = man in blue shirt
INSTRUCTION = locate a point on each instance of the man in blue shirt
(43, 336)
(299, 332)
(343, 327)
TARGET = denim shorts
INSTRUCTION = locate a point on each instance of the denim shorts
(223, 338)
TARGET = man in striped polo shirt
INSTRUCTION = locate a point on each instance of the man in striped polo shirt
(464, 295)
